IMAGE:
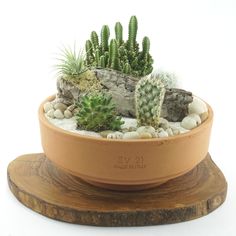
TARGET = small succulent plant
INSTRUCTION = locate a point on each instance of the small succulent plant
(97, 112)
(71, 63)
(72, 69)
(149, 96)
(120, 55)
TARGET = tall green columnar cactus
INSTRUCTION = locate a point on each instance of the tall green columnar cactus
(149, 96)
(144, 57)
(89, 52)
(94, 40)
(133, 29)
(105, 34)
(120, 55)
(119, 34)
(115, 61)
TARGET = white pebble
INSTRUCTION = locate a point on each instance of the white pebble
(50, 113)
(47, 107)
(67, 114)
(131, 135)
(162, 134)
(146, 129)
(169, 132)
(188, 123)
(197, 106)
(146, 135)
(115, 135)
(60, 106)
(196, 117)
(164, 123)
(58, 114)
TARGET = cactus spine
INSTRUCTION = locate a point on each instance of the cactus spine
(120, 55)
(149, 96)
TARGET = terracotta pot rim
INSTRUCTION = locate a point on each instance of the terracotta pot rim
(196, 130)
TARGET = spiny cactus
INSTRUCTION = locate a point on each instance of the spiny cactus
(97, 112)
(168, 79)
(120, 55)
(149, 96)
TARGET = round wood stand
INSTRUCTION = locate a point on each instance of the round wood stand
(44, 188)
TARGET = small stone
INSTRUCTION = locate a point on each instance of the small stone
(188, 123)
(164, 123)
(155, 135)
(197, 106)
(163, 134)
(58, 114)
(71, 107)
(132, 128)
(204, 116)
(169, 132)
(47, 107)
(105, 133)
(62, 107)
(115, 135)
(68, 114)
(196, 117)
(50, 113)
(75, 111)
(131, 135)
(146, 129)
(175, 131)
(160, 130)
(145, 135)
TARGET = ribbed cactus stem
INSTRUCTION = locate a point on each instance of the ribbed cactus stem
(127, 68)
(115, 62)
(146, 45)
(105, 34)
(89, 52)
(119, 33)
(97, 56)
(94, 39)
(133, 28)
(102, 61)
(149, 96)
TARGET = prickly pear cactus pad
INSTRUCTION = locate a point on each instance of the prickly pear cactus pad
(149, 96)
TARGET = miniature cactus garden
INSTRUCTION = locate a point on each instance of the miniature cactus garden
(114, 132)
(109, 90)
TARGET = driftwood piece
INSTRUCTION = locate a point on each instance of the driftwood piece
(175, 105)
(48, 190)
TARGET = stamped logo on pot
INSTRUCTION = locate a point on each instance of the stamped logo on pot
(123, 162)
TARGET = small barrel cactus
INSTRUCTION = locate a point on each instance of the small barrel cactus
(149, 96)
(97, 112)
(168, 79)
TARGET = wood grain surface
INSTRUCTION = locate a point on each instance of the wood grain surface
(44, 188)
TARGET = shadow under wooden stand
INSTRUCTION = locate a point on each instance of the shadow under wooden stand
(44, 188)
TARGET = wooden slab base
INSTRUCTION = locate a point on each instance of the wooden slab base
(44, 188)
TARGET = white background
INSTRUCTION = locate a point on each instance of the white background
(195, 39)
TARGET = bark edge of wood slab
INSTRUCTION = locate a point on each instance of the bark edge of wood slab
(46, 189)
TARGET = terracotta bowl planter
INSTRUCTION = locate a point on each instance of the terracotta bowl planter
(125, 164)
